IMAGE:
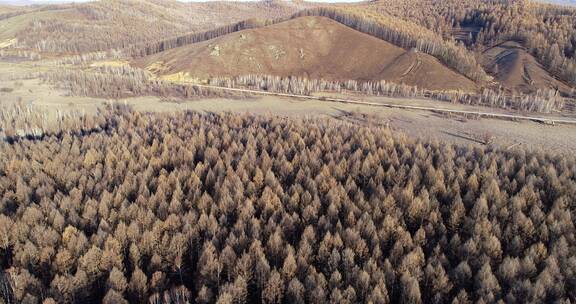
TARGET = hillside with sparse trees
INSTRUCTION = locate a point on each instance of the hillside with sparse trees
(546, 31)
(117, 24)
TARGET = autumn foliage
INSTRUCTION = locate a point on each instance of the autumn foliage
(178, 208)
(547, 31)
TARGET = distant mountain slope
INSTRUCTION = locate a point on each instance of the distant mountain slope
(561, 2)
(515, 69)
(313, 47)
(101, 25)
(4, 8)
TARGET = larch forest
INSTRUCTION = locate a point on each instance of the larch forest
(386, 151)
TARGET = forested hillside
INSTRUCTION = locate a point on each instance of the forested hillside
(115, 24)
(547, 31)
(152, 208)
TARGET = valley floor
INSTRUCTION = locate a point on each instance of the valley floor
(451, 128)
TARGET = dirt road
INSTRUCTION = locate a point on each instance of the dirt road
(418, 118)
(479, 114)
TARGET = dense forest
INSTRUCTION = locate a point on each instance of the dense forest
(173, 208)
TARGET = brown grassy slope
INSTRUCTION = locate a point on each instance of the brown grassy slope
(313, 47)
(100, 25)
(518, 71)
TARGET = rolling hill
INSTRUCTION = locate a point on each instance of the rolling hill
(312, 47)
(106, 24)
(518, 71)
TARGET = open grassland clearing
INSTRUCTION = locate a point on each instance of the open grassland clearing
(458, 129)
